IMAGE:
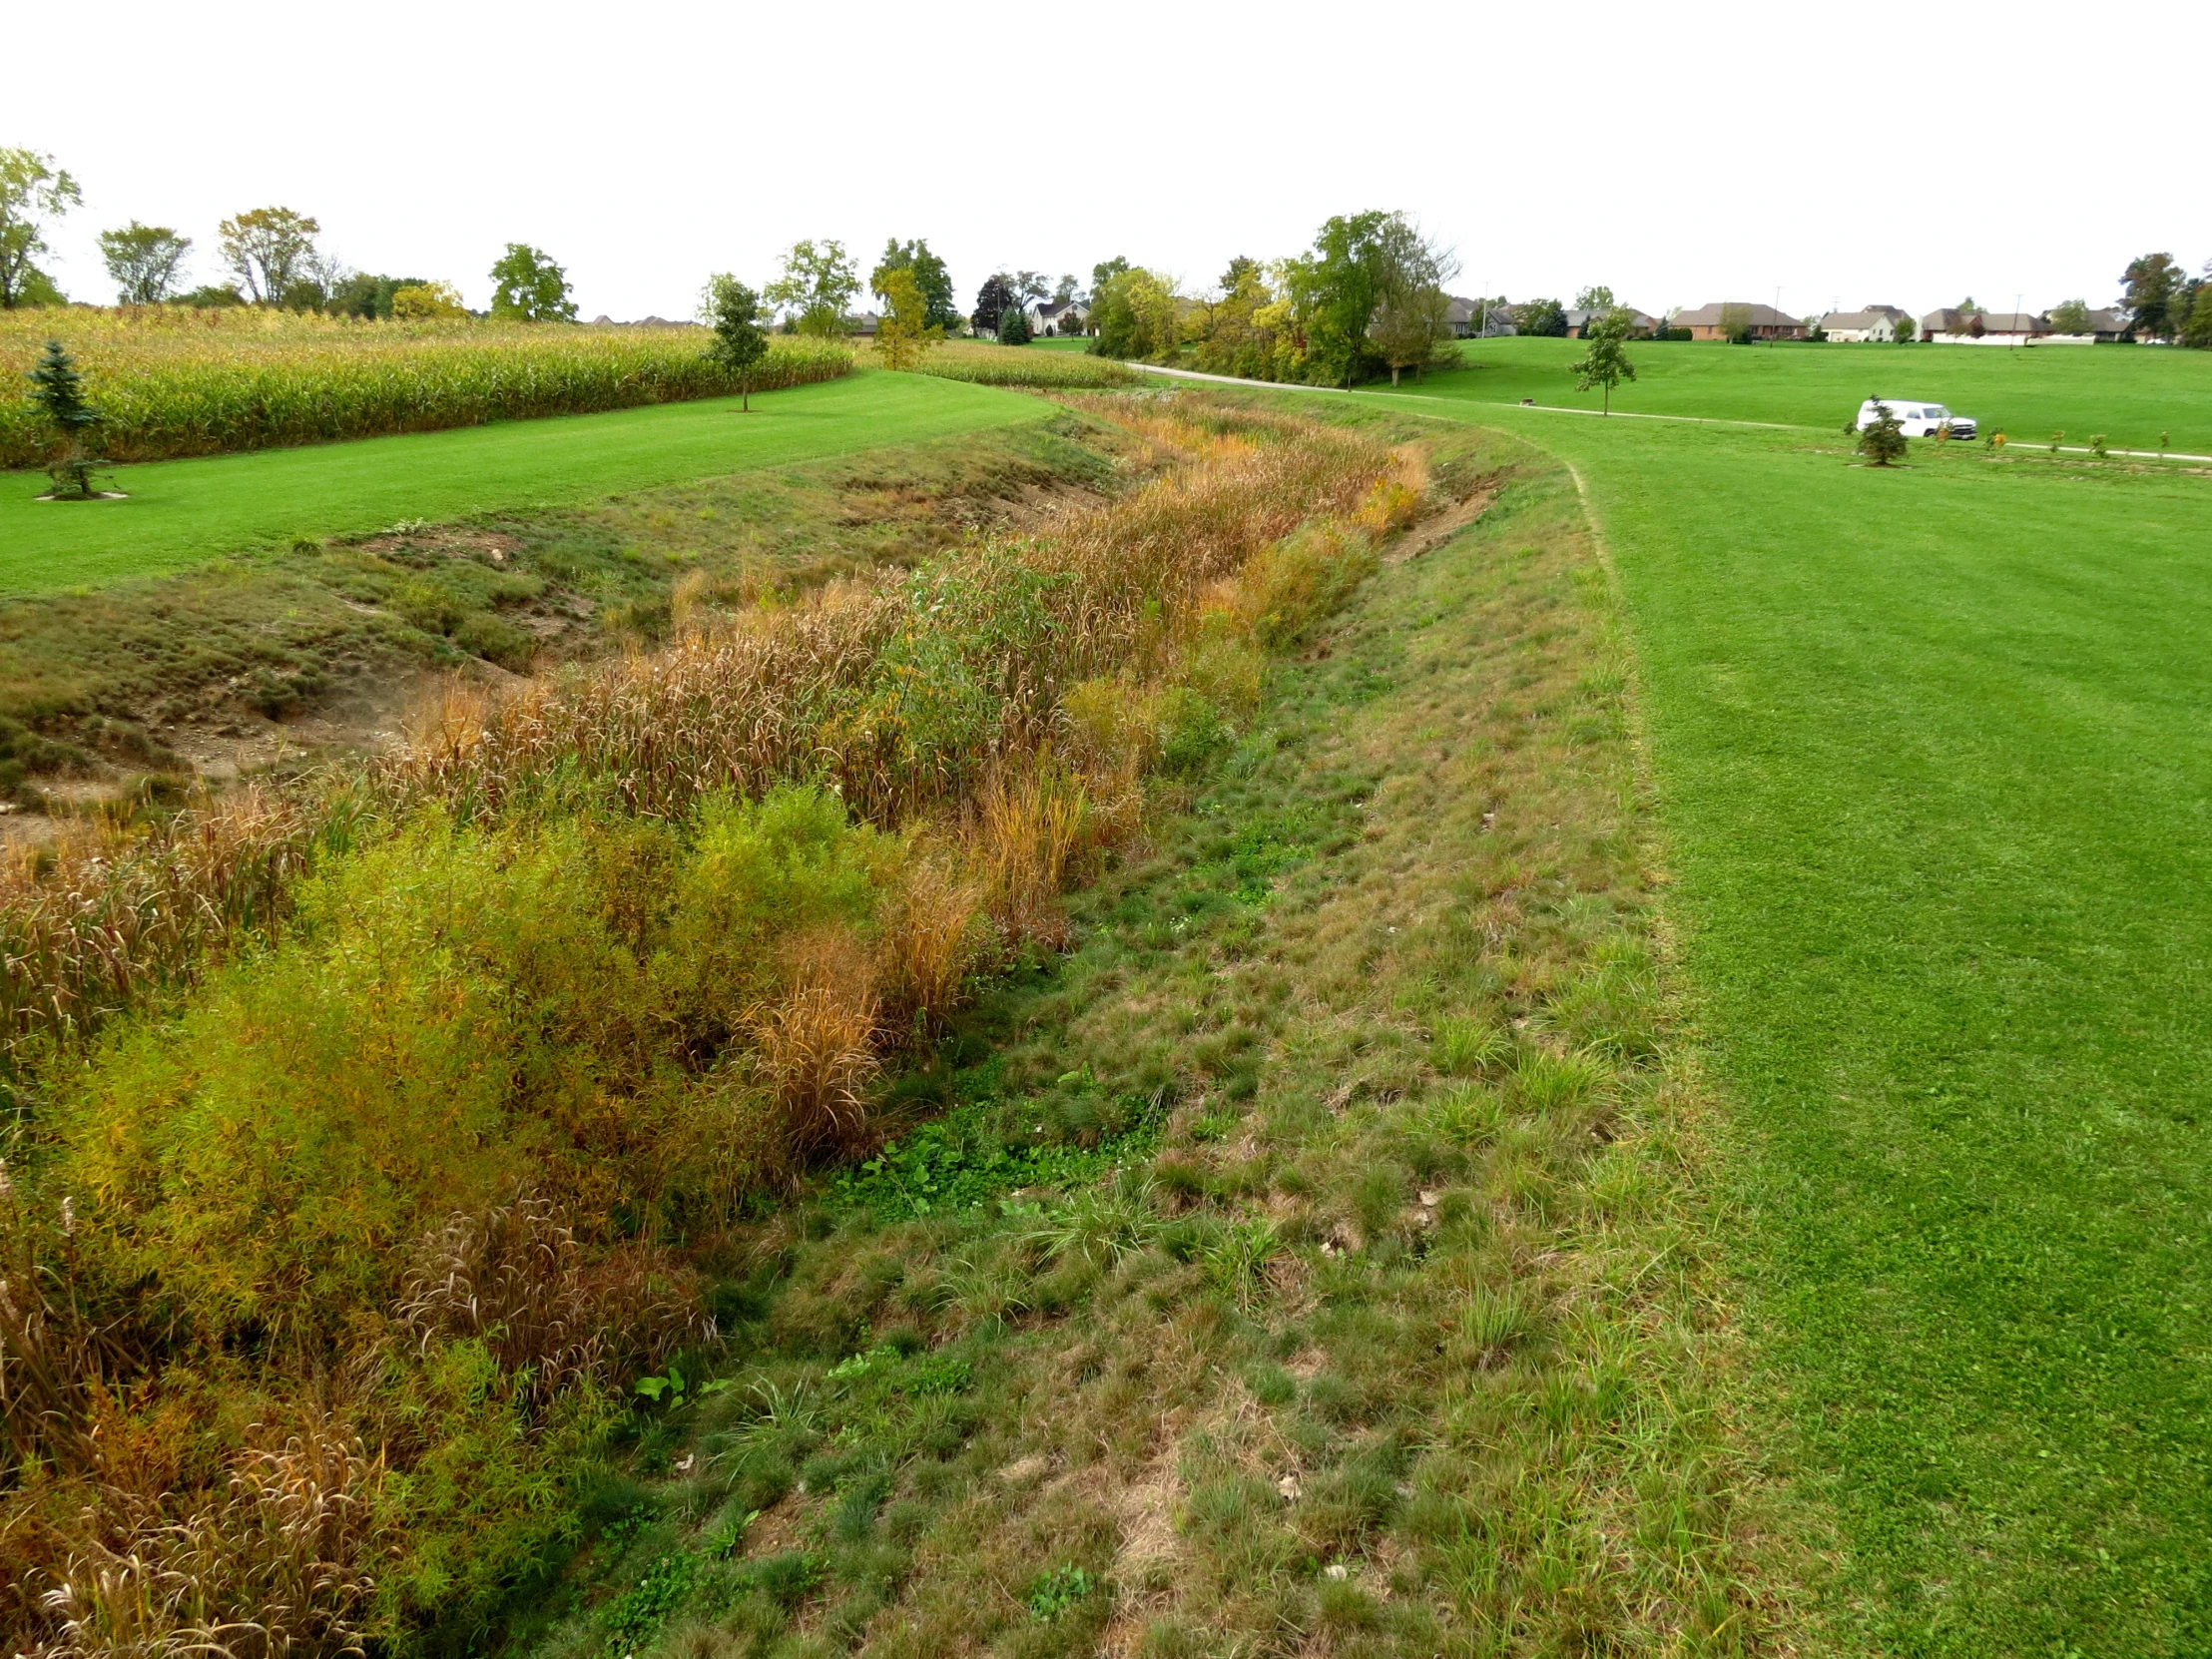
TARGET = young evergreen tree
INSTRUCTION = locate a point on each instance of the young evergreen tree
(1013, 325)
(59, 391)
(1882, 444)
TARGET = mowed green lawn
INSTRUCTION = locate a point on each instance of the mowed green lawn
(2130, 394)
(181, 512)
(1934, 755)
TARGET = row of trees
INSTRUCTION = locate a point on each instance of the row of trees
(1368, 297)
(272, 256)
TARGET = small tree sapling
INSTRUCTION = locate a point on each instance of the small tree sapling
(59, 391)
(1883, 442)
(733, 310)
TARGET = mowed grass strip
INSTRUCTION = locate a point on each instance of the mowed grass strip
(1931, 753)
(2129, 395)
(181, 512)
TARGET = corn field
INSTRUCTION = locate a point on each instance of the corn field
(175, 382)
(1013, 366)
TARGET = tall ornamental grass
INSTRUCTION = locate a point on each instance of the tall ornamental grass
(175, 382)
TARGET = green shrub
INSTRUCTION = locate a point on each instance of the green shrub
(1303, 579)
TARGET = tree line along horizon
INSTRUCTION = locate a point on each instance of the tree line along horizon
(1369, 297)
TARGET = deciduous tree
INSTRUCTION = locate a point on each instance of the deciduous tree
(1603, 361)
(991, 301)
(1105, 271)
(733, 312)
(32, 193)
(1906, 331)
(2071, 317)
(1542, 317)
(1597, 301)
(906, 333)
(1412, 307)
(2152, 281)
(817, 289)
(528, 287)
(2197, 332)
(268, 250)
(931, 277)
(144, 261)
(427, 302)
(1138, 314)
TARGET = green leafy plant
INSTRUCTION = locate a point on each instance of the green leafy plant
(1057, 1591)
(671, 1388)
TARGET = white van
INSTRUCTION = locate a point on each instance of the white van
(1918, 419)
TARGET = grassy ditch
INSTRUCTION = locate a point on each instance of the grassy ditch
(184, 513)
(366, 1149)
(323, 644)
(1305, 1262)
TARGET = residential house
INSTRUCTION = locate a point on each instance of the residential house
(1058, 317)
(1578, 322)
(2104, 327)
(1956, 328)
(1875, 323)
(2111, 325)
(1763, 322)
(1480, 320)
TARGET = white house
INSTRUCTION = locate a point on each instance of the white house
(1875, 323)
(1058, 317)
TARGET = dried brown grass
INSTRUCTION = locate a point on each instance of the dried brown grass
(278, 1564)
(515, 1278)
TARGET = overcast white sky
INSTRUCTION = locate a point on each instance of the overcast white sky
(1680, 154)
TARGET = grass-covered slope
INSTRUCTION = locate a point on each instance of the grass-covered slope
(180, 513)
(1932, 772)
(319, 646)
(2131, 394)
(1302, 1263)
